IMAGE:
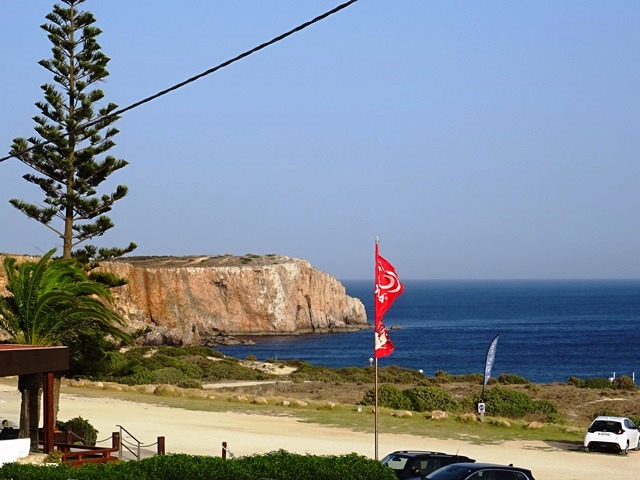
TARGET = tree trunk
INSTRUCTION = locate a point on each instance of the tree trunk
(30, 387)
(57, 380)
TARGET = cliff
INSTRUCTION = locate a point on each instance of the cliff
(199, 300)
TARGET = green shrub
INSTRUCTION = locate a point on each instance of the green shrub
(187, 351)
(81, 428)
(444, 377)
(355, 375)
(214, 353)
(230, 369)
(576, 382)
(276, 465)
(624, 382)
(544, 406)
(512, 379)
(424, 399)
(395, 374)
(175, 366)
(598, 382)
(388, 396)
(168, 375)
(139, 376)
(284, 465)
(307, 372)
(509, 403)
(54, 456)
(19, 471)
(189, 383)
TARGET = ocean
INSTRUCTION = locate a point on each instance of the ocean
(549, 330)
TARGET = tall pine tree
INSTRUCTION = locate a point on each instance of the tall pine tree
(72, 166)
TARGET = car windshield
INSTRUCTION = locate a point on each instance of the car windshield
(395, 461)
(606, 426)
(451, 472)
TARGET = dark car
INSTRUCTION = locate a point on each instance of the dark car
(481, 471)
(417, 464)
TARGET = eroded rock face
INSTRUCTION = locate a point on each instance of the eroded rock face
(198, 300)
(192, 300)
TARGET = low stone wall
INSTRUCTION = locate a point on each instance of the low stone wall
(13, 449)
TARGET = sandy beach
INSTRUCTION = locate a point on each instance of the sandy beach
(202, 433)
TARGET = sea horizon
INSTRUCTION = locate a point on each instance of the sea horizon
(549, 329)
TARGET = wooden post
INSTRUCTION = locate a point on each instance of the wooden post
(47, 416)
(116, 441)
(224, 450)
(160, 445)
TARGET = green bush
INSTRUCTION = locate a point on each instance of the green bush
(509, 403)
(276, 465)
(306, 372)
(444, 377)
(139, 376)
(424, 399)
(231, 369)
(598, 382)
(512, 379)
(394, 374)
(356, 375)
(624, 382)
(388, 396)
(576, 382)
(173, 365)
(81, 428)
(187, 351)
(169, 375)
(189, 383)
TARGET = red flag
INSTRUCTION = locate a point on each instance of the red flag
(388, 287)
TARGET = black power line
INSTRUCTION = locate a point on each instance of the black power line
(189, 80)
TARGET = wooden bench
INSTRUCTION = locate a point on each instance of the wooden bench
(76, 455)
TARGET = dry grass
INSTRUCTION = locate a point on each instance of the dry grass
(578, 406)
(336, 404)
(328, 405)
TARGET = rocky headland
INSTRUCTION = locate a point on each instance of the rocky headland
(207, 300)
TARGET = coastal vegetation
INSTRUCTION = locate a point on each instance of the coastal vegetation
(52, 302)
(278, 464)
(198, 373)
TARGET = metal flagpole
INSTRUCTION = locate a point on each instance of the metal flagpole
(375, 388)
(376, 411)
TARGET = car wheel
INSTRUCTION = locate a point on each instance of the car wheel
(626, 449)
(587, 449)
(638, 444)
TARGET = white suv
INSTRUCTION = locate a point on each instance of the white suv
(618, 433)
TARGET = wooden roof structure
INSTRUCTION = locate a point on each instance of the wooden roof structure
(29, 359)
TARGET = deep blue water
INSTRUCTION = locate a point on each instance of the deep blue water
(549, 330)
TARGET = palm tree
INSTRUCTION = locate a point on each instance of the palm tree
(52, 302)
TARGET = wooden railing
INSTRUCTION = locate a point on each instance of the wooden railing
(75, 453)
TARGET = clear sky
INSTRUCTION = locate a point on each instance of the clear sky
(477, 139)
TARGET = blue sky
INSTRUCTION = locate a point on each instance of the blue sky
(489, 139)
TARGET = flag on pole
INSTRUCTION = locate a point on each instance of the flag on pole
(388, 287)
(491, 356)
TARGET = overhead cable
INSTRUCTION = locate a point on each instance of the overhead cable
(189, 80)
